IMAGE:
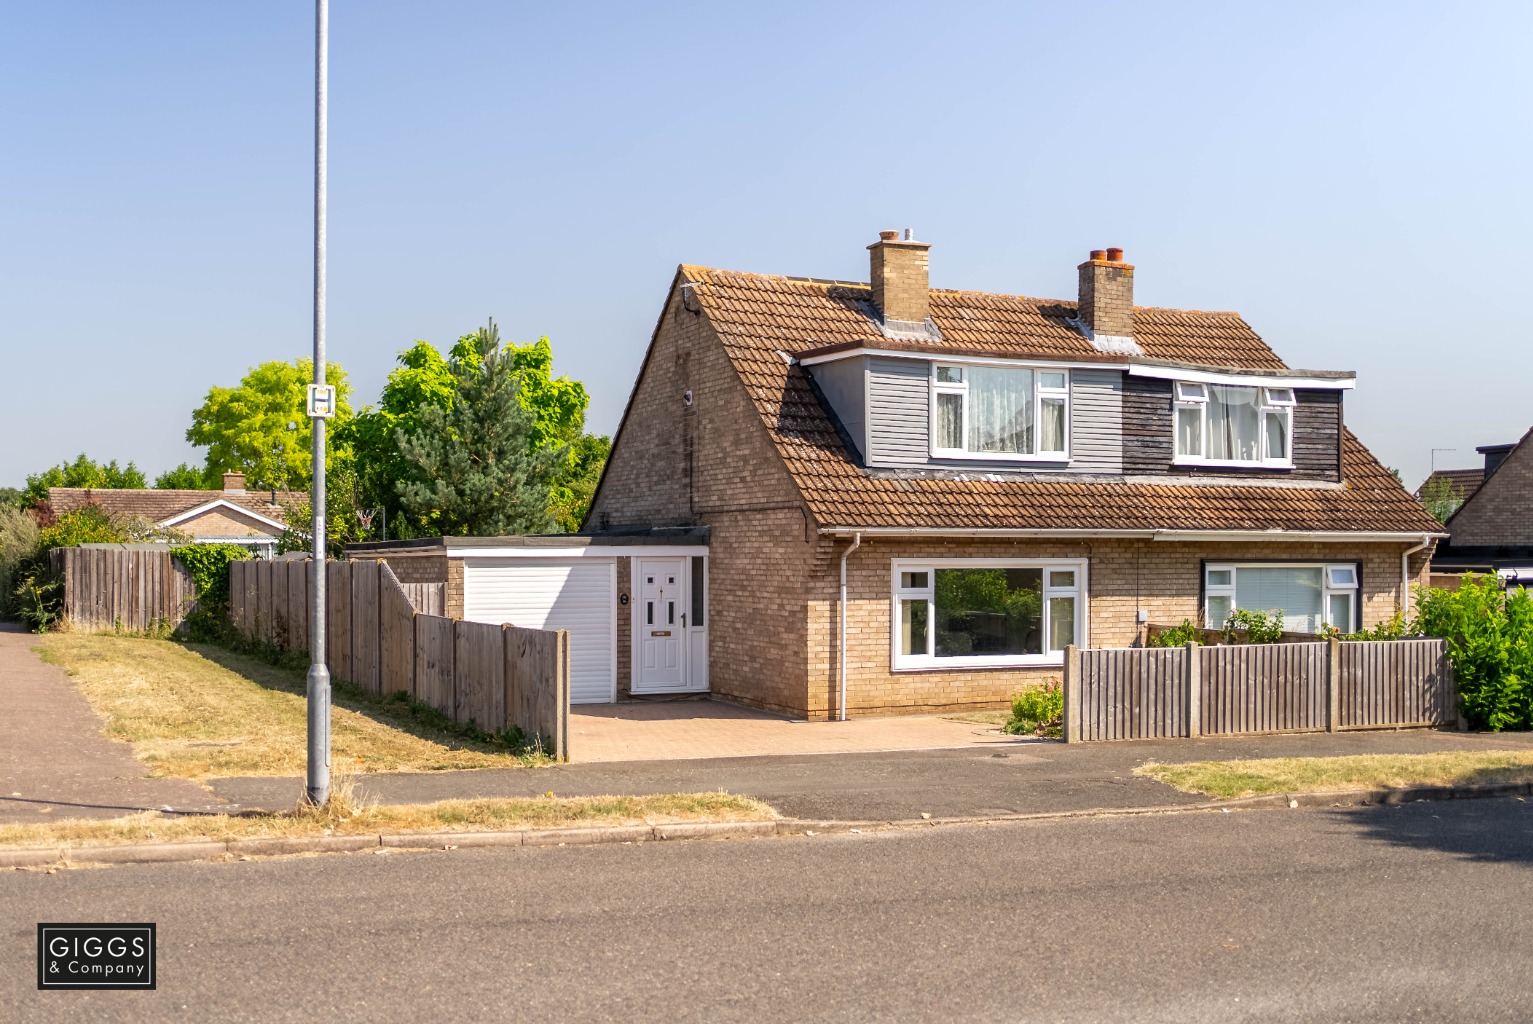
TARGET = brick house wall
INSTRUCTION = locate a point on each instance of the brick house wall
(1500, 513)
(712, 464)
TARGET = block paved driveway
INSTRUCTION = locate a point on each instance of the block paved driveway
(694, 729)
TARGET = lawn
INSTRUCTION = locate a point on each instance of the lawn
(200, 712)
(345, 816)
(1228, 779)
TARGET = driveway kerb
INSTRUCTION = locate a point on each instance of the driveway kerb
(151, 853)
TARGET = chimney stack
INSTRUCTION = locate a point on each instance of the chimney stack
(234, 483)
(1107, 294)
(899, 277)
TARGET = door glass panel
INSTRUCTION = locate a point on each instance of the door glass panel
(699, 589)
(649, 613)
(913, 627)
(1061, 622)
(989, 612)
(670, 613)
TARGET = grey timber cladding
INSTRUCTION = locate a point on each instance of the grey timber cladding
(844, 384)
(899, 421)
(1147, 435)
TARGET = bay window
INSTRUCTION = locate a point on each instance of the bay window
(1002, 412)
(1229, 425)
(957, 613)
(1310, 596)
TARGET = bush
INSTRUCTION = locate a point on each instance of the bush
(209, 566)
(1248, 626)
(1177, 636)
(1490, 644)
(18, 540)
(1038, 711)
(36, 593)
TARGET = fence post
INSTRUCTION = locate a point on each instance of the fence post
(1194, 690)
(1072, 728)
(1333, 685)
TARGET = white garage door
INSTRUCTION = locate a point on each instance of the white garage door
(553, 593)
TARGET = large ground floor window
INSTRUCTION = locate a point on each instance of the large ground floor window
(1310, 595)
(981, 612)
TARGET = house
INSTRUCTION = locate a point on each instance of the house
(832, 498)
(1459, 482)
(1492, 531)
(233, 515)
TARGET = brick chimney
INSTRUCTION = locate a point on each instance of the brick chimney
(234, 483)
(899, 276)
(1107, 294)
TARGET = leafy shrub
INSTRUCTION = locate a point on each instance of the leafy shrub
(1177, 636)
(1037, 711)
(209, 566)
(18, 540)
(1490, 644)
(1394, 629)
(1249, 626)
(36, 592)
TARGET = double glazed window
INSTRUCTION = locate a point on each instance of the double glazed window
(983, 612)
(1309, 596)
(1219, 423)
(1002, 412)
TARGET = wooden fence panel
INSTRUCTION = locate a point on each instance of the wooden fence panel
(131, 589)
(252, 602)
(429, 598)
(537, 682)
(237, 594)
(1135, 693)
(338, 618)
(479, 666)
(1263, 688)
(281, 626)
(364, 625)
(1399, 682)
(298, 610)
(433, 662)
(396, 635)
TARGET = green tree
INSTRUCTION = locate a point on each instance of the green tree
(11, 497)
(186, 477)
(82, 472)
(576, 486)
(470, 467)
(260, 428)
(1441, 498)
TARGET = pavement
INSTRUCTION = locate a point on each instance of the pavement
(697, 729)
(54, 757)
(1021, 777)
(1405, 914)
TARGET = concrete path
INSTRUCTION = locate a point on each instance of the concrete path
(55, 760)
(691, 729)
(1024, 777)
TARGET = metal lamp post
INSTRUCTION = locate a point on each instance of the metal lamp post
(321, 402)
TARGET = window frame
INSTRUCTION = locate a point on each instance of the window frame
(1270, 402)
(1041, 394)
(1327, 587)
(929, 662)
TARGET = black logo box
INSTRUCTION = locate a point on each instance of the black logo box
(96, 956)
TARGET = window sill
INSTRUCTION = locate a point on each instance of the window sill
(953, 455)
(969, 664)
(1182, 460)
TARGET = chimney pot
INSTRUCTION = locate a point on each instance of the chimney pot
(1114, 255)
(910, 234)
(1099, 254)
(888, 236)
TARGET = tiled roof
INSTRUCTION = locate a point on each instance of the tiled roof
(158, 506)
(1464, 481)
(758, 317)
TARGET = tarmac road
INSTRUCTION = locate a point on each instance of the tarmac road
(1416, 913)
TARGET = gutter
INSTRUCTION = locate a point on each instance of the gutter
(841, 647)
(1186, 536)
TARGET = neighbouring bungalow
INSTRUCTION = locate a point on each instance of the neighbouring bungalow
(832, 498)
(1492, 531)
(252, 519)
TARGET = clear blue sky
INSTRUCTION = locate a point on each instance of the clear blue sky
(1354, 178)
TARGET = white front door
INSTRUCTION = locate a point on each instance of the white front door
(661, 625)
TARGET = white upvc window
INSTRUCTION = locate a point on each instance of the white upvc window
(1309, 594)
(1017, 413)
(1226, 425)
(956, 613)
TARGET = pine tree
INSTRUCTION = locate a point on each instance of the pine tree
(470, 468)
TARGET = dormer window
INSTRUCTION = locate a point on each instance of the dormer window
(999, 412)
(1228, 425)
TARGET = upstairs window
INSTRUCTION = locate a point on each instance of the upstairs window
(1224, 424)
(999, 412)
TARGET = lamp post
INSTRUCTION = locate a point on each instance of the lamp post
(321, 406)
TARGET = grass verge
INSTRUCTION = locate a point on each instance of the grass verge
(1229, 779)
(347, 817)
(198, 712)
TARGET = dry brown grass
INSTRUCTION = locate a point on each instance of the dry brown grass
(201, 712)
(1228, 779)
(995, 718)
(343, 817)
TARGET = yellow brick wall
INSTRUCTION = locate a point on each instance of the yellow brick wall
(1500, 513)
(223, 523)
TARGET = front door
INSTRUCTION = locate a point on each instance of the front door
(661, 625)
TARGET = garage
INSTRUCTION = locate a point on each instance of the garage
(574, 594)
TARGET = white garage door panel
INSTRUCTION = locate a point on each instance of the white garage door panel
(568, 593)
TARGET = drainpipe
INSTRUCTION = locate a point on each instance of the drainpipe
(1405, 576)
(841, 647)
